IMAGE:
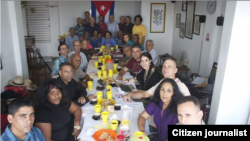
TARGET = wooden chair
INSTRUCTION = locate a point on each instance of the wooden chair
(34, 66)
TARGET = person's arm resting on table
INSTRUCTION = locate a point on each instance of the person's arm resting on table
(141, 121)
(121, 73)
(77, 112)
(136, 95)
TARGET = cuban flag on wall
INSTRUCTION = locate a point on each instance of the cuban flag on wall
(104, 8)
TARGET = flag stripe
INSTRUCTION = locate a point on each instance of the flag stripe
(93, 9)
(112, 8)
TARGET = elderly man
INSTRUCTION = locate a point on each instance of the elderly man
(128, 55)
(122, 21)
(127, 26)
(169, 70)
(21, 118)
(79, 28)
(84, 61)
(189, 112)
(86, 20)
(78, 74)
(133, 64)
(150, 49)
(112, 26)
(102, 25)
(92, 26)
(71, 38)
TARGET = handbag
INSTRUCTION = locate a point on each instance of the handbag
(18, 89)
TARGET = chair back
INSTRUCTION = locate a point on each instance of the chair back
(31, 58)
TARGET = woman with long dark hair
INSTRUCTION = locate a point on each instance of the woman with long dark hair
(149, 76)
(163, 107)
(53, 112)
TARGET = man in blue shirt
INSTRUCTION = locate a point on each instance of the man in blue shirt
(92, 26)
(71, 38)
(21, 118)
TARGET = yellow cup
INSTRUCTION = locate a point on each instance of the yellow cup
(99, 74)
(98, 108)
(114, 124)
(125, 122)
(112, 48)
(105, 117)
(103, 61)
(99, 96)
(104, 74)
(96, 64)
(108, 88)
(100, 57)
(109, 95)
(103, 68)
(110, 73)
(90, 84)
(109, 57)
(99, 60)
(106, 57)
(115, 67)
(116, 46)
(103, 47)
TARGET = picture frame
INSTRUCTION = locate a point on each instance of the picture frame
(197, 25)
(157, 17)
(184, 6)
(1, 65)
(189, 19)
(178, 20)
(182, 30)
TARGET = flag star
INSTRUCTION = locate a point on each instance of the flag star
(103, 7)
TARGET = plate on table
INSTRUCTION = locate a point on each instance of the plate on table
(106, 102)
(105, 135)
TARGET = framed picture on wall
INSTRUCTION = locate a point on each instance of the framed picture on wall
(189, 19)
(178, 20)
(1, 65)
(197, 25)
(157, 17)
(182, 30)
(184, 5)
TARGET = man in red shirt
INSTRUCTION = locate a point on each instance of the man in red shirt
(133, 64)
(122, 21)
(102, 25)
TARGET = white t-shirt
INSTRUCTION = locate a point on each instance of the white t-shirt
(183, 88)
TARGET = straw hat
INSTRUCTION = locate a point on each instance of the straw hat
(20, 81)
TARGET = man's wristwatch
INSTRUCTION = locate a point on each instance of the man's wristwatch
(77, 127)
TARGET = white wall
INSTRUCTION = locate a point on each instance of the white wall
(13, 53)
(163, 42)
(230, 102)
(201, 53)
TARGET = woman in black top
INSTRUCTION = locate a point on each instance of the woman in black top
(53, 112)
(149, 76)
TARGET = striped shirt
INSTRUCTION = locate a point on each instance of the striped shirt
(57, 63)
(35, 134)
(79, 30)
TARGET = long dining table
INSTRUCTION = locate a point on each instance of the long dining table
(88, 109)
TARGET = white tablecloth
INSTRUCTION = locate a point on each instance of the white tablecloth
(88, 110)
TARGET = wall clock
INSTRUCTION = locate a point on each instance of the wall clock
(211, 6)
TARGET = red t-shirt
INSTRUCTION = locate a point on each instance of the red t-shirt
(134, 66)
(103, 27)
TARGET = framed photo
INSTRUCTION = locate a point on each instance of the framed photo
(157, 17)
(182, 30)
(178, 20)
(1, 65)
(189, 19)
(184, 6)
(197, 25)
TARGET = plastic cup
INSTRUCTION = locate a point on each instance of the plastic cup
(103, 47)
(99, 96)
(109, 95)
(116, 46)
(98, 108)
(109, 57)
(90, 84)
(114, 124)
(103, 61)
(104, 74)
(99, 60)
(99, 74)
(108, 88)
(105, 117)
(96, 64)
(115, 67)
(111, 48)
(103, 68)
(110, 73)
(106, 57)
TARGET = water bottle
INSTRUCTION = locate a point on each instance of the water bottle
(125, 116)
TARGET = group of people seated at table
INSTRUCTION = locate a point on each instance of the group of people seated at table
(59, 99)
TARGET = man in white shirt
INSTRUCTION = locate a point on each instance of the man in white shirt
(150, 49)
(169, 70)
(112, 26)
(84, 61)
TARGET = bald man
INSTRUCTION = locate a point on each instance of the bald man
(112, 26)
